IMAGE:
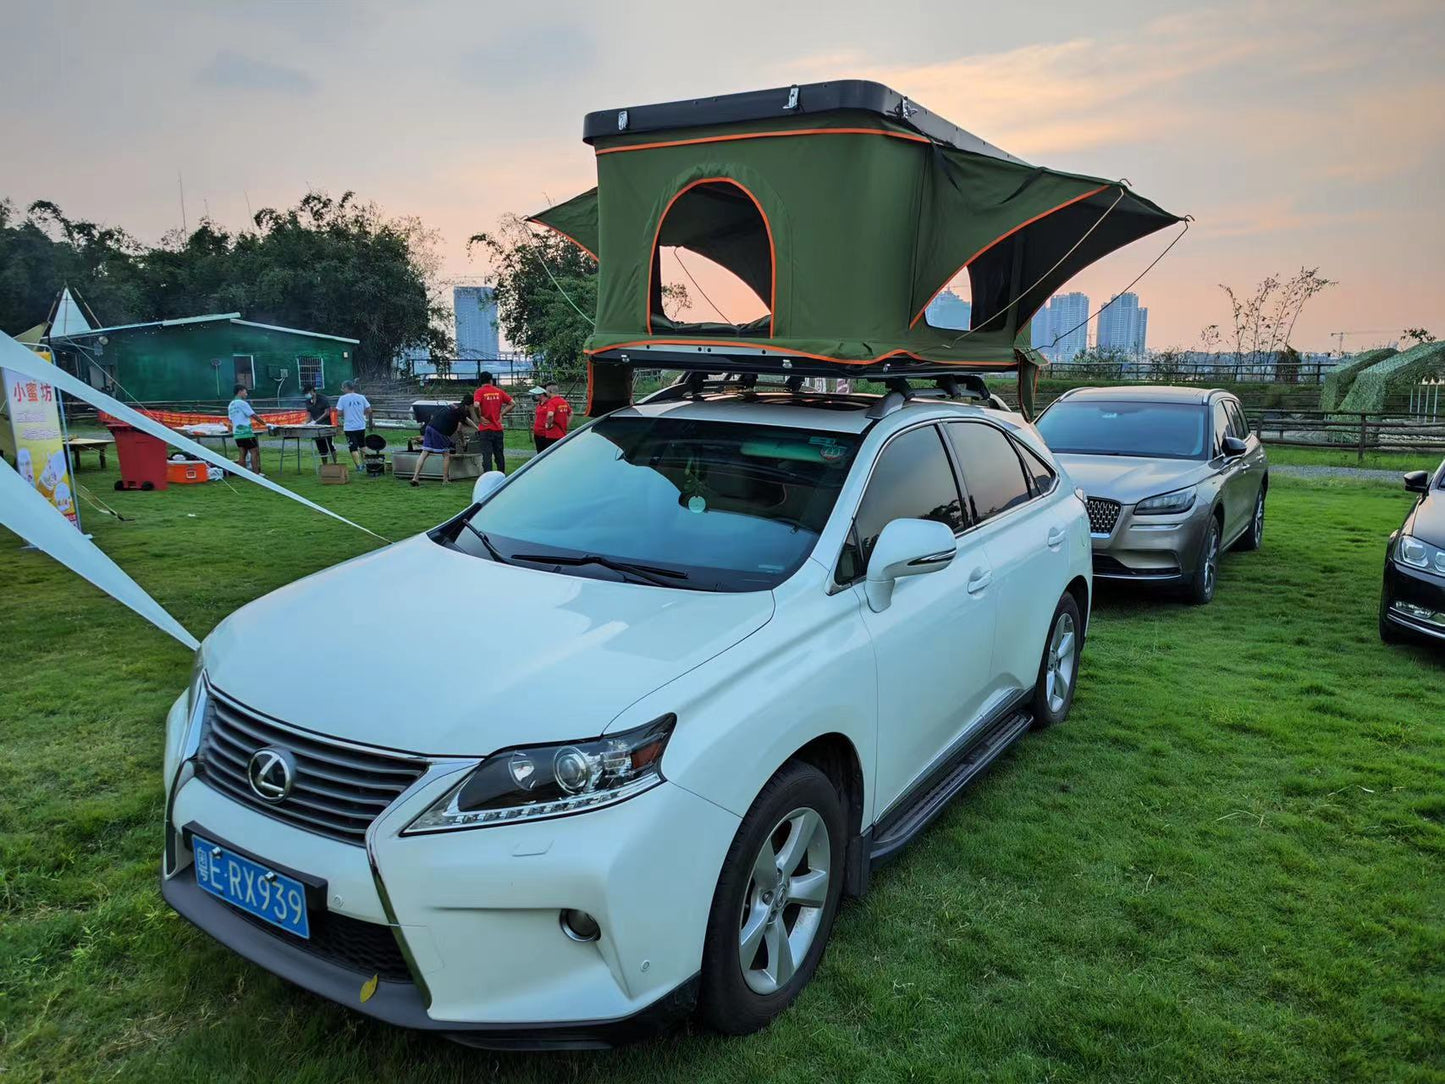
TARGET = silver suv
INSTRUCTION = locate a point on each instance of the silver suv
(1173, 477)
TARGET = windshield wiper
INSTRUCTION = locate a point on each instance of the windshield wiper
(496, 554)
(650, 573)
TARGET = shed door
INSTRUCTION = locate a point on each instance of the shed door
(245, 370)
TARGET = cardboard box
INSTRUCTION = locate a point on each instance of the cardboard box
(334, 474)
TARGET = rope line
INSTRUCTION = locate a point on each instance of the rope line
(1177, 238)
(542, 259)
(677, 255)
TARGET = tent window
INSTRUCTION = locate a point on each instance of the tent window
(952, 307)
(715, 244)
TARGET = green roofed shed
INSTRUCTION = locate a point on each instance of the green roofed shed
(846, 208)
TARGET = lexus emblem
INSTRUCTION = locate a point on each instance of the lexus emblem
(272, 773)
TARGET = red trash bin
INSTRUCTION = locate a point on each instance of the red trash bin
(142, 458)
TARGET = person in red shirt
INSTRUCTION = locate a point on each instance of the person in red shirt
(553, 414)
(491, 404)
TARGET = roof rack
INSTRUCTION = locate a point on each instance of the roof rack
(694, 384)
(725, 359)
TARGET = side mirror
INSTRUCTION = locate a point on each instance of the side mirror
(907, 547)
(486, 485)
(1233, 447)
(1417, 481)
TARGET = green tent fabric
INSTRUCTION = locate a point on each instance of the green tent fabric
(845, 222)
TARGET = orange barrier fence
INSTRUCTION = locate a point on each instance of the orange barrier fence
(176, 419)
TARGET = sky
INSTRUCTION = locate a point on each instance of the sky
(1297, 134)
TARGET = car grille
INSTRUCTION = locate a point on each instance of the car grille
(368, 948)
(338, 790)
(1103, 514)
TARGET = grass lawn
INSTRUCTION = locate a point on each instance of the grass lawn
(1229, 865)
(1284, 455)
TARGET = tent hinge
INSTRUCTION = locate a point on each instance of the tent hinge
(622, 120)
(792, 97)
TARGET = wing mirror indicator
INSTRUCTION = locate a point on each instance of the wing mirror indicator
(906, 547)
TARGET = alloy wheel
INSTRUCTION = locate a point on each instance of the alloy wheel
(1211, 560)
(1059, 673)
(1259, 518)
(783, 906)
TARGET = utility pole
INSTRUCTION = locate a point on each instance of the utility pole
(181, 184)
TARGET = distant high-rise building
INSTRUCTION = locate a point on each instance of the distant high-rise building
(950, 311)
(1123, 325)
(1061, 329)
(476, 308)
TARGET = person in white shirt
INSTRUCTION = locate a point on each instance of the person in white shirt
(238, 416)
(355, 412)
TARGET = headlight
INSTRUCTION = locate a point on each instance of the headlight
(1411, 551)
(552, 780)
(1181, 500)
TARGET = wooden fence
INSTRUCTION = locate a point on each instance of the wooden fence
(1337, 431)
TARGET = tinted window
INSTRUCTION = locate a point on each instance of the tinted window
(992, 473)
(1155, 430)
(913, 480)
(734, 507)
(1037, 470)
(1237, 425)
(1221, 426)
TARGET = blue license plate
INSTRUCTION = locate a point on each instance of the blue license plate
(254, 888)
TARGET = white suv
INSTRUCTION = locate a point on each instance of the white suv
(611, 744)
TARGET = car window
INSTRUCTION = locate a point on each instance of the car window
(1237, 425)
(1123, 427)
(992, 473)
(1221, 427)
(1039, 473)
(912, 480)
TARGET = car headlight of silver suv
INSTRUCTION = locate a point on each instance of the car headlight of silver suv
(1416, 554)
(541, 781)
(1180, 500)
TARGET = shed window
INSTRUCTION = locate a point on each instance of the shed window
(311, 371)
(722, 254)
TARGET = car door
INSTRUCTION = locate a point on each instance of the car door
(933, 645)
(1232, 477)
(1255, 459)
(1026, 539)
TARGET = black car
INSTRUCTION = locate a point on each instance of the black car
(1412, 603)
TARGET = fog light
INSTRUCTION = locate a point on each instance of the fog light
(580, 926)
(1419, 613)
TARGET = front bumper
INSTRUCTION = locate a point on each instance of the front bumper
(1413, 600)
(475, 913)
(1161, 549)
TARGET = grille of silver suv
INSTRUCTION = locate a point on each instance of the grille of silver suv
(338, 790)
(1103, 514)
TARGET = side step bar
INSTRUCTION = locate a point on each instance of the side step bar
(931, 801)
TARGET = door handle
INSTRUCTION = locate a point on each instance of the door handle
(1056, 537)
(978, 579)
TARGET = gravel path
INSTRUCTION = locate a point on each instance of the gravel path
(1357, 474)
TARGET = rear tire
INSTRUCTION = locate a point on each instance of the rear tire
(1200, 591)
(775, 902)
(1059, 667)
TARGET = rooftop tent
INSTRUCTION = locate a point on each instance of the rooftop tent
(845, 208)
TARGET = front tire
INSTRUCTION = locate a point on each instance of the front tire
(1200, 591)
(1059, 667)
(1253, 538)
(775, 902)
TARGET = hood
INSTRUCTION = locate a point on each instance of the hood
(1129, 479)
(1427, 521)
(420, 648)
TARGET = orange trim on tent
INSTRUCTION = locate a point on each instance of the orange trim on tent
(999, 240)
(778, 352)
(569, 237)
(764, 135)
(652, 259)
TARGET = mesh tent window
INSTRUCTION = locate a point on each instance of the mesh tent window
(720, 220)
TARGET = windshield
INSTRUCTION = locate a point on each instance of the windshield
(1155, 430)
(692, 504)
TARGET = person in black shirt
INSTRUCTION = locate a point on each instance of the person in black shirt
(318, 411)
(438, 437)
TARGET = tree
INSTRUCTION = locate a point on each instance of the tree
(330, 265)
(546, 294)
(1418, 335)
(1264, 321)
